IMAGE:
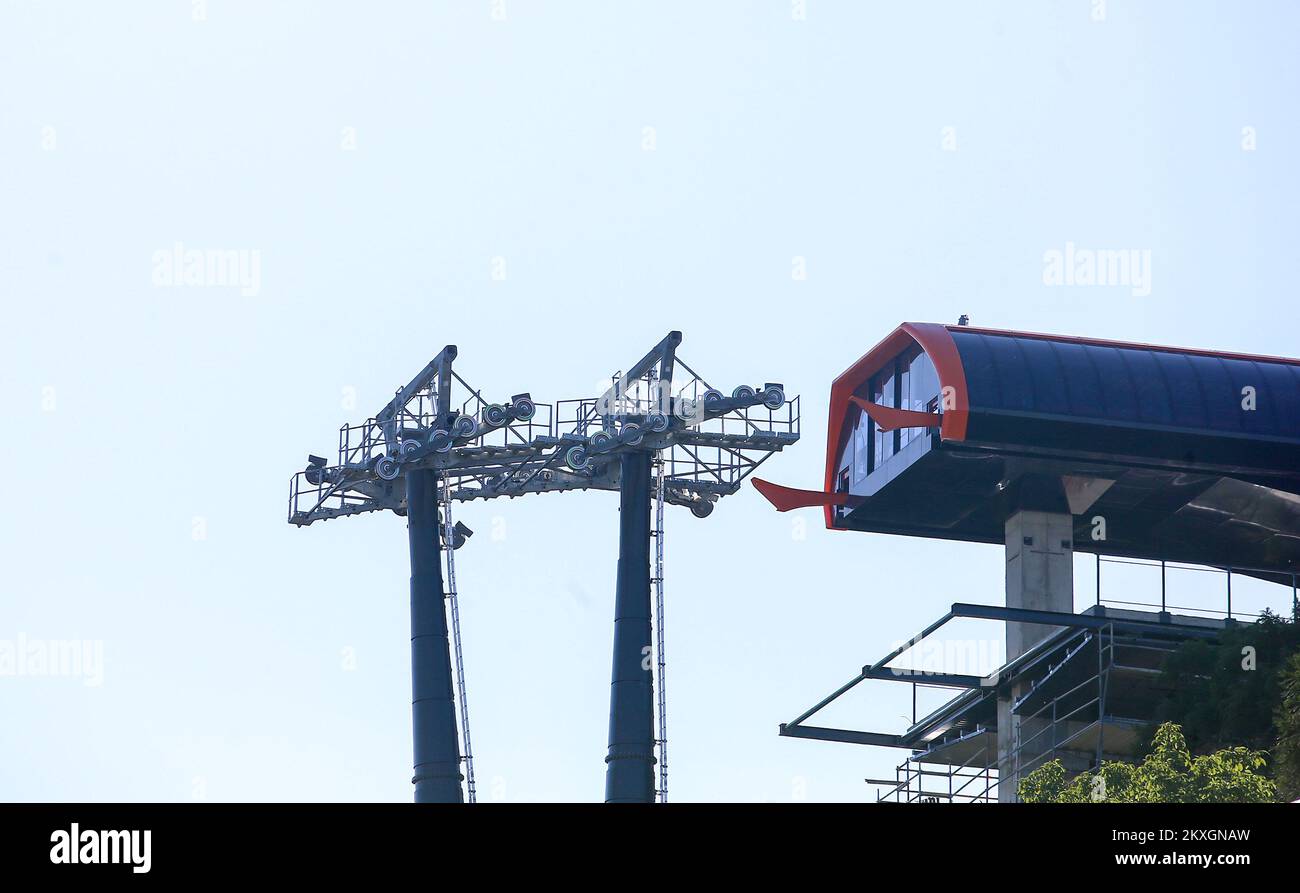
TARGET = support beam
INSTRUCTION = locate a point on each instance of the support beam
(844, 736)
(880, 664)
(433, 716)
(824, 701)
(629, 772)
(924, 677)
(662, 354)
(439, 369)
(1083, 621)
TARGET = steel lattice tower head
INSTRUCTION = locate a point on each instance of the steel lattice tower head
(438, 428)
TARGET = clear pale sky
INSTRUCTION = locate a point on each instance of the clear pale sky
(921, 159)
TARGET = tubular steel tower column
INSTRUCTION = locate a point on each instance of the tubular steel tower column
(438, 440)
(433, 716)
(629, 773)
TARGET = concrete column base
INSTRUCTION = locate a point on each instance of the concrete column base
(1040, 576)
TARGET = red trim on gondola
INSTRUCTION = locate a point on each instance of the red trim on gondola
(935, 340)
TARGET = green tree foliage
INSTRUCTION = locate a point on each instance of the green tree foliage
(1286, 754)
(1225, 693)
(1168, 774)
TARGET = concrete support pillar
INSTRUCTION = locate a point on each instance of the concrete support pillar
(1040, 576)
(1040, 572)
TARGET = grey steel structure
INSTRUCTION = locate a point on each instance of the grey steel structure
(1082, 694)
(659, 431)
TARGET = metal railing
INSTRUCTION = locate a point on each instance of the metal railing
(1058, 712)
(1165, 604)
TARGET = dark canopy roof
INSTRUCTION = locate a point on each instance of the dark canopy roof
(1129, 385)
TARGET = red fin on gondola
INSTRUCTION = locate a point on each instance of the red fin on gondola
(887, 418)
(786, 498)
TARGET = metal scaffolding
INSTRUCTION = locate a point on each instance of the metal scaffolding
(972, 781)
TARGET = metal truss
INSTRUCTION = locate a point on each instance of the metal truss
(953, 755)
(880, 670)
(708, 441)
